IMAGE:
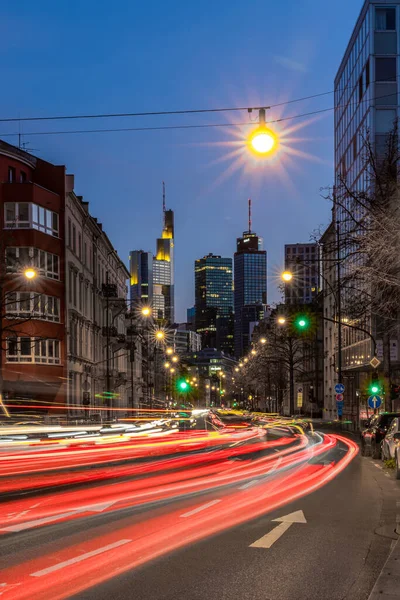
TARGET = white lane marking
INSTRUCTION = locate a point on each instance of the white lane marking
(248, 484)
(80, 558)
(6, 587)
(199, 508)
(284, 523)
(37, 522)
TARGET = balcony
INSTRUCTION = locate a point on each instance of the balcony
(109, 331)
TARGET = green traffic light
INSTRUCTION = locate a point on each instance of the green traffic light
(183, 386)
(302, 322)
(374, 389)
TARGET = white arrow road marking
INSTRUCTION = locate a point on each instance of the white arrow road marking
(199, 508)
(36, 522)
(284, 523)
(77, 559)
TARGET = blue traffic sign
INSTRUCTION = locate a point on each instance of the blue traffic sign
(339, 388)
(340, 408)
(374, 401)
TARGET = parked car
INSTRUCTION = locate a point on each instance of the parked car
(376, 429)
(390, 447)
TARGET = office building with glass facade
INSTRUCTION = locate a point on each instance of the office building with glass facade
(366, 107)
(302, 260)
(250, 270)
(214, 301)
(141, 277)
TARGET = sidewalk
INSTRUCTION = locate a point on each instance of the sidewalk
(387, 586)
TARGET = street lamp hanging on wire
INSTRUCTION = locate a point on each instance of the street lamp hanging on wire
(262, 141)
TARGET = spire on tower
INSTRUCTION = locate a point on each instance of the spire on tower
(249, 215)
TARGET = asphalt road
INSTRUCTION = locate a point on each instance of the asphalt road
(337, 555)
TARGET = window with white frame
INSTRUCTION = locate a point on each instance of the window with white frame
(27, 215)
(20, 257)
(34, 305)
(33, 350)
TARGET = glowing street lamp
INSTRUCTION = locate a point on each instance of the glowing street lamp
(167, 365)
(175, 359)
(160, 335)
(253, 352)
(262, 141)
(169, 351)
(246, 359)
(237, 369)
(287, 276)
(30, 273)
(281, 320)
(240, 364)
(146, 311)
(263, 340)
(172, 370)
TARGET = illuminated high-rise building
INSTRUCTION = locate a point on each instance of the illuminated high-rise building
(214, 302)
(141, 277)
(163, 271)
(152, 277)
(250, 269)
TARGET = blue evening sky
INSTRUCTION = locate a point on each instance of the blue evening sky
(77, 57)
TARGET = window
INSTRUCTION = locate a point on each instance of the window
(385, 69)
(25, 215)
(385, 43)
(386, 94)
(367, 77)
(73, 238)
(11, 174)
(22, 177)
(385, 19)
(85, 253)
(385, 120)
(360, 89)
(69, 233)
(31, 304)
(28, 350)
(18, 258)
(79, 245)
(74, 277)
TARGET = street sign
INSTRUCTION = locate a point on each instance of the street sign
(374, 401)
(339, 388)
(339, 397)
(340, 409)
(375, 362)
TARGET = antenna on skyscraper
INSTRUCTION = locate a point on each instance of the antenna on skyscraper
(163, 201)
(249, 215)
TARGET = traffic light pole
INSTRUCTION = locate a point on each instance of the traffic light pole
(339, 307)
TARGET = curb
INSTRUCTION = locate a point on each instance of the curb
(387, 586)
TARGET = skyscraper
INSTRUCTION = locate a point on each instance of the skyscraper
(152, 277)
(250, 266)
(303, 261)
(214, 301)
(141, 276)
